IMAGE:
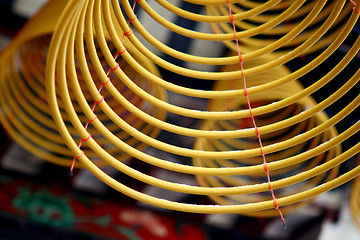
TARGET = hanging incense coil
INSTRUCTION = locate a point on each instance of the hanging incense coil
(89, 14)
(289, 22)
(27, 117)
(116, 30)
(290, 153)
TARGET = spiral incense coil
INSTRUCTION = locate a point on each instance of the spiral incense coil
(104, 111)
(311, 149)
(283, 22)
(26, 115)
(274, 137)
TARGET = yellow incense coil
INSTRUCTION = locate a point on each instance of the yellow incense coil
(27, 117)
(298, 163)
(289, 22)
(302, 140)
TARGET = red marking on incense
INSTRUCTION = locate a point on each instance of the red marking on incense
(231, 16)
(354, 6)
(127, 34)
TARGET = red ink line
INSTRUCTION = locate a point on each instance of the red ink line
(130, 20)
(129, 33)
(103, 84)
(113, 69)
(354, 3)
(122, 52)
(86, 139)
(93, 119)
(252, 116)
(133, 19)
(100, 101)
